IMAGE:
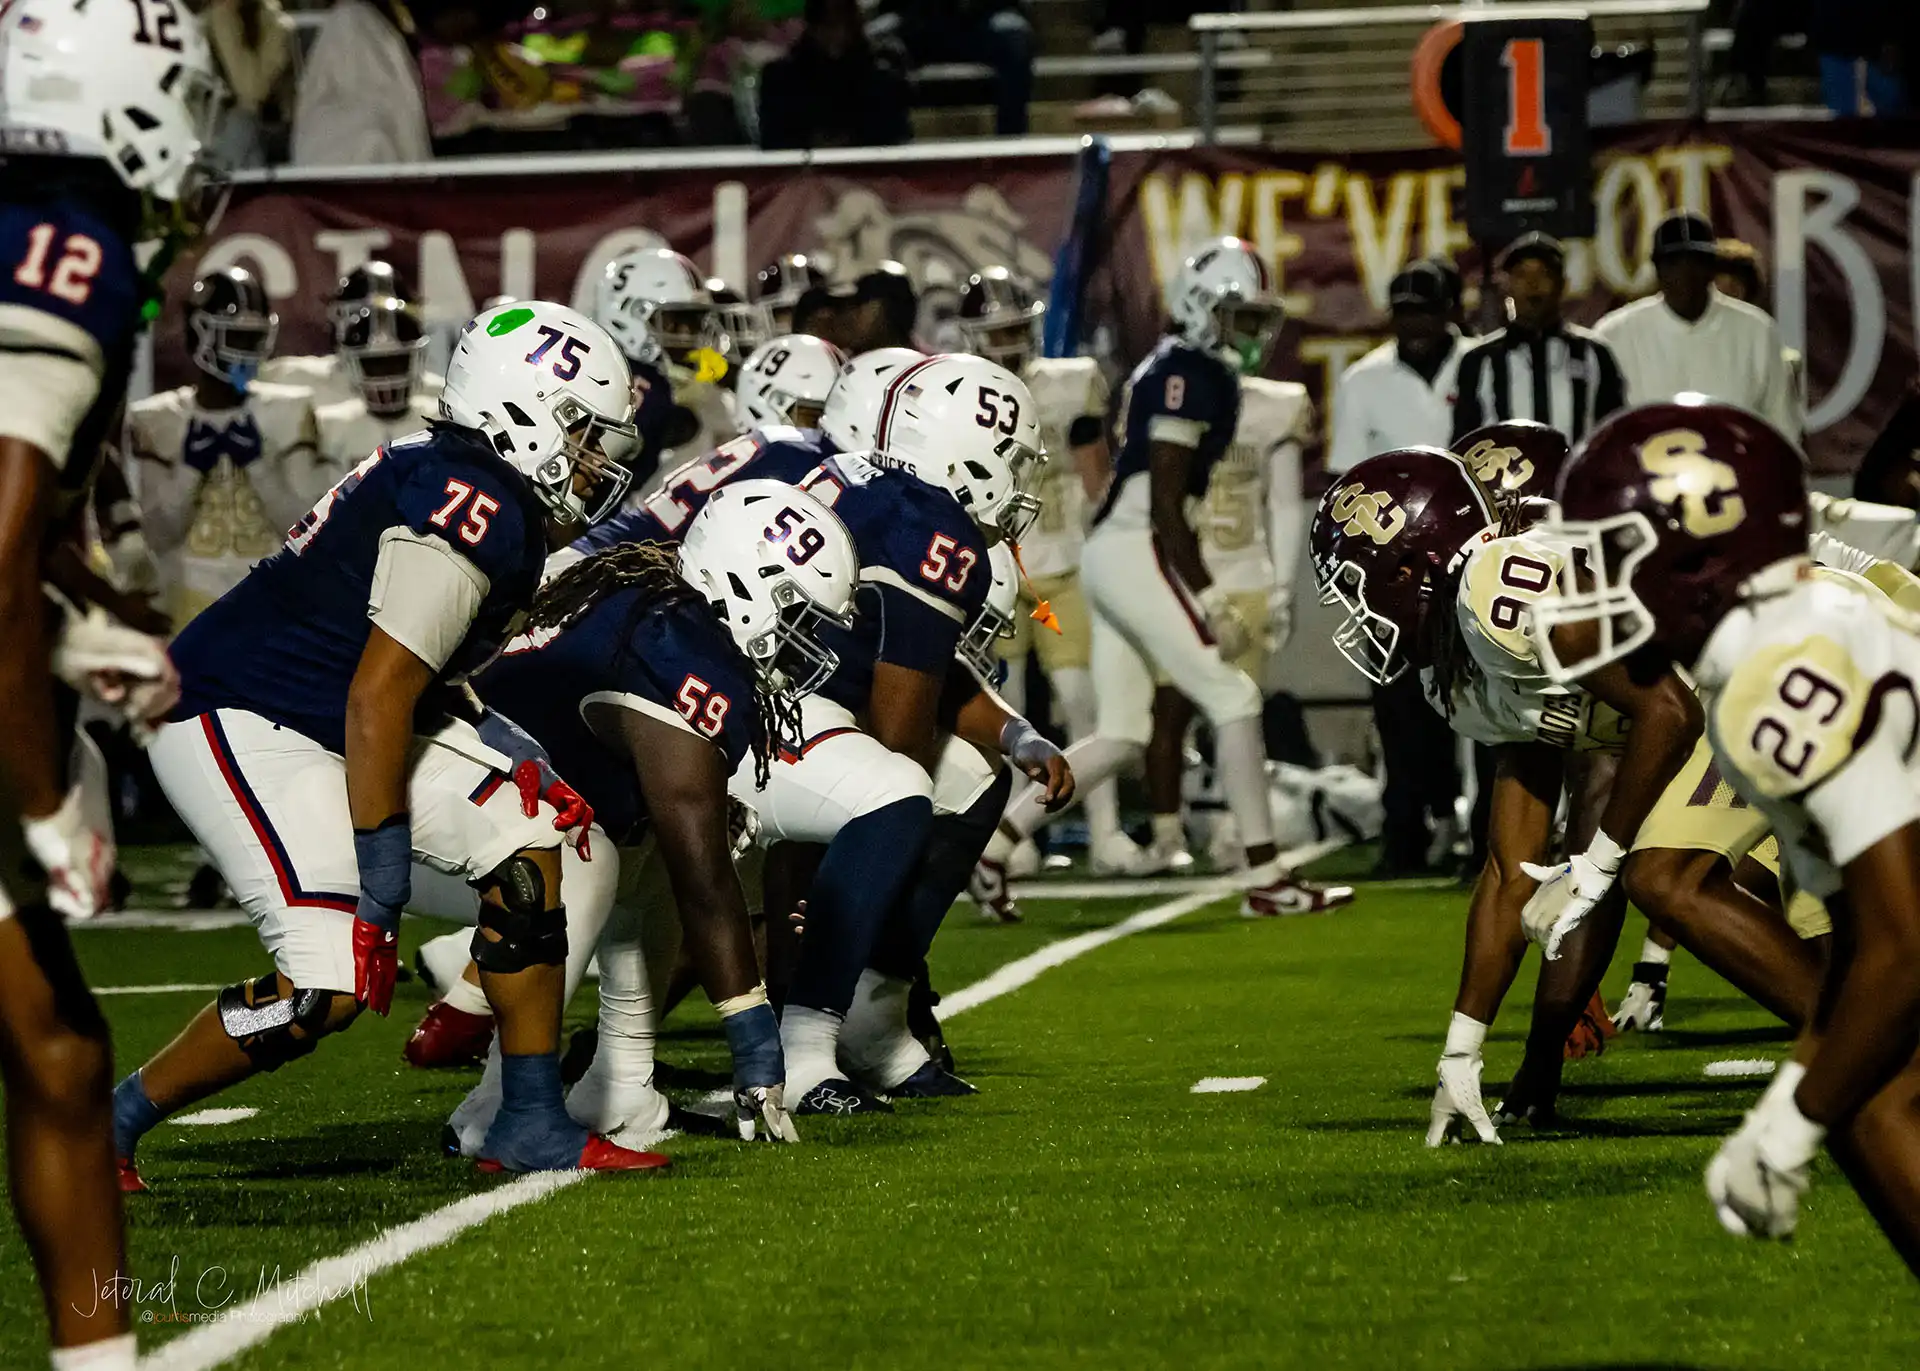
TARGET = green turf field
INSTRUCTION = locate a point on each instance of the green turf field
(1086, 1209)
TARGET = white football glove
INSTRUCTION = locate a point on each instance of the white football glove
(761, 1111)
(1568, 892)
(1757, 1177)
(1279, 619)
(1457, 1101)
(74, 844)
(1230, 632)
(1640, 1010)
(116, 665)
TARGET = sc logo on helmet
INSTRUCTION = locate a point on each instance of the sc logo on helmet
(1500, 467)
(1357, 511)
(1705, 489)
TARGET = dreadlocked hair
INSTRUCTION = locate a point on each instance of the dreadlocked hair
(1442, 645)
(654, 570)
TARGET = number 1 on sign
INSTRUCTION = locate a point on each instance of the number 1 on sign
(1527, 133)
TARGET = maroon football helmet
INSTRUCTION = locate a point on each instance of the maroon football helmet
(1387, 533)
(1516, 459)
(1668, 510)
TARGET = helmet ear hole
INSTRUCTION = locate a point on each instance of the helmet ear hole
(739, 586)
(517, 414)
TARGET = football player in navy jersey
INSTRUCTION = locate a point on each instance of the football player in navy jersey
(320, 747)
(649, 685)
(1154, 603)
(102, 120)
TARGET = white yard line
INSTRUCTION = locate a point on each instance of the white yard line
(346, 1275)
(1740, 1067)
(179, 920)
(166, 988)
(208, 1117)
(1226, 1085)
(1127, 888)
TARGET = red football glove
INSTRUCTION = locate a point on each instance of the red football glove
(376, 964)
(537, 782)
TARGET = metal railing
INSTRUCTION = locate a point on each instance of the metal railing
(1208, 30)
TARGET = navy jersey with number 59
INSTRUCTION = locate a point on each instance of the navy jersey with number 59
(286, 641)
(674, 662)
(1178, 394)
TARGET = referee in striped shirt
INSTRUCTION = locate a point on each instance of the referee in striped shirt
(1539, 366)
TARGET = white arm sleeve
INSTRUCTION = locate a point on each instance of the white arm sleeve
(1873, 794)
(1286, 519)
(49, 377)
(425, 595)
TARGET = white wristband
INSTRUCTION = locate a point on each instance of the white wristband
(1605, 853)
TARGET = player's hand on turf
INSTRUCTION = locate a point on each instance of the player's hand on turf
(1457, 1103)
(75, 848)
(1230, 632)
(1757, 1177)
(376, 964)
(1640, 1010)
(538, 781)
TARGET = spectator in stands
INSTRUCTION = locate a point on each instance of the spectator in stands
(254, 42)
(361, 102)
(1539, 366)
(1739, 277)
(995, 32)
(835, 88)
(1690, 337)
(1859, 45)
(1400, 395)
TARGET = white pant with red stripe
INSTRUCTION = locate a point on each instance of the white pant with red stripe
(1143, 617)
(270, 807)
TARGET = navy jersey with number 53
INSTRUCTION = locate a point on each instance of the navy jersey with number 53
(674, 662)
(286, 641)
(1179, 394)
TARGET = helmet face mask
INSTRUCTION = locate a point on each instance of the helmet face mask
(384, 350)
(1248, 331)
(1000, 318)
(1367, 639)
(994, 622)
(1596, 588)
(231, 326)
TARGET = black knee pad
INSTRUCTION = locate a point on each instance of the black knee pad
(273, 1029)
(528, 935)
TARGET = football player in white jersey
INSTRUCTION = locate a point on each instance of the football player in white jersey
(1000, 318)
(1155, 606)
(1689, 522)
(384, 347)
(656, 304)
(331, 376)
(225, 463)
(1435, 579)
(1250, 526)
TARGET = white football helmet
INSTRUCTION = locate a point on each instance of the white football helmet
(132, 86)
(853, 405)
(995, 619)
(788, 379)
(776, 565)
(656, 305)
(971, 426)
(551, 391)
(1224, 302)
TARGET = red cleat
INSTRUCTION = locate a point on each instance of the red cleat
(598, 1155)
(1589, 1036)
(449, 1037)
(130, 1182)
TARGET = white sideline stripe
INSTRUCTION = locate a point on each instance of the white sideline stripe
(168, 988)
(179, 920)
(254, 1322)
(1132, 887)
(208, 1117)
(1226, 1085)
(1740, 1067)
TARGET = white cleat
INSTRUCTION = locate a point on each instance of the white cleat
(1024, 861)
(1115, 854)
(1171, 858)
(631, 1113)
(987, 888)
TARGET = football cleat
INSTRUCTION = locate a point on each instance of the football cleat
(1172, 858)
(931, 1082)
(599, 1154)
(1024, 860)
(1286, 896)
(841, 1096)
(130, 1182)
(1115, 854)
(987, 888)
(449, 1037)
(760, 1112)
(1644, 1007)
(1590, 1034)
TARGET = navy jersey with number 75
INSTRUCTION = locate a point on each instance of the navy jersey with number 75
(286, 641)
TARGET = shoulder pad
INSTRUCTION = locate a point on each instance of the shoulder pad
(1283, 407)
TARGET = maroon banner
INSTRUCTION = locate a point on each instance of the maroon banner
(1832, 209)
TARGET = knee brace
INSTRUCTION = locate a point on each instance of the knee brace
(273, 1029)
(529, 934)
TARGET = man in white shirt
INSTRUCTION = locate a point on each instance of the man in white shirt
(361, 102)
(1401, 394)
(1691, 337)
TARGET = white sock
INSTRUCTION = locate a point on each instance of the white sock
(1465, 1036)
(108, 1354)
(1079, 712)
(875, 1043)
(625, 1051)
(588, 889)
(1240, 750)
(466, 995)
(1650, 951)
(473, 1116)
(810, 1038)
(447, 956)
(1169, 831)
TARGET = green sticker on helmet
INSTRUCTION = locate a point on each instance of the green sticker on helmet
(509, 321)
